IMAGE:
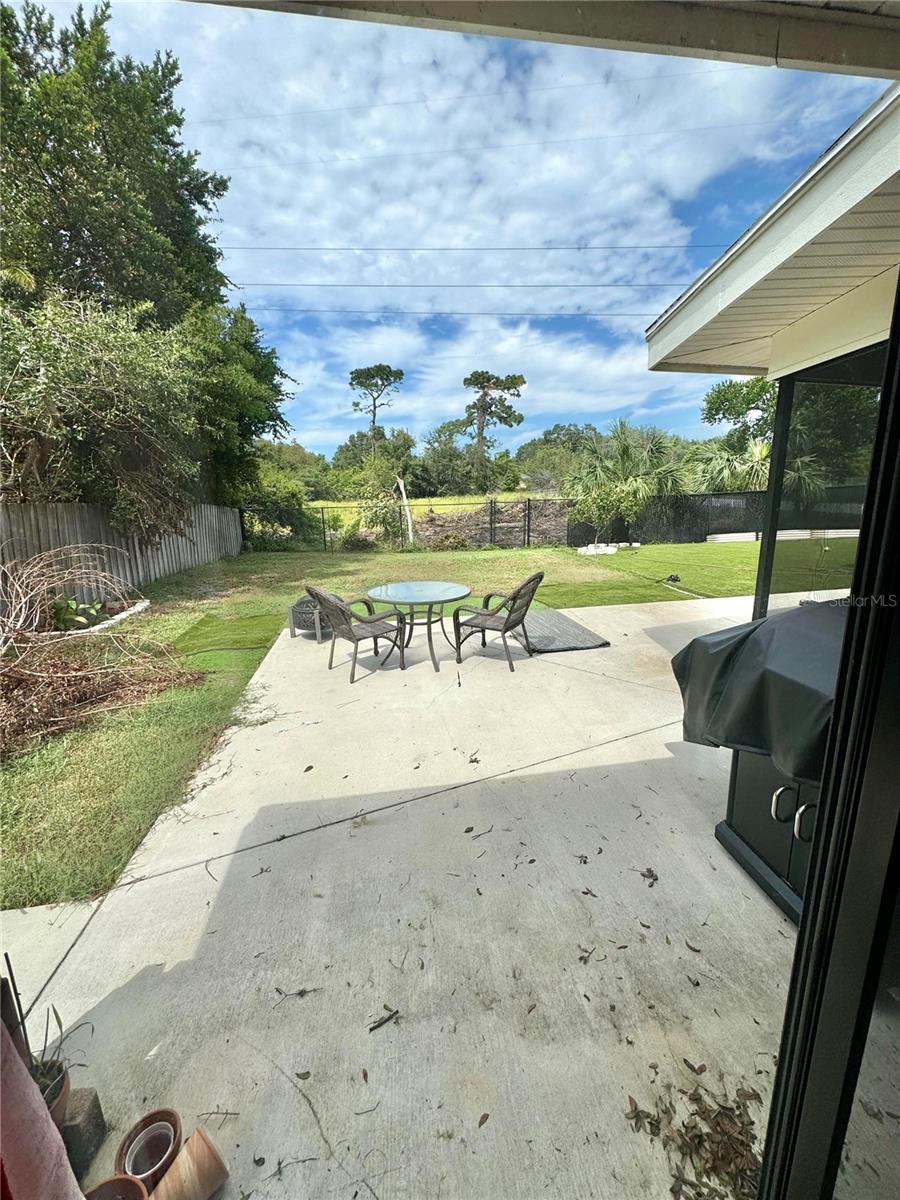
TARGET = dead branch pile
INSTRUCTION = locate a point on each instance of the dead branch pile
(709, 1140)
(51, 684)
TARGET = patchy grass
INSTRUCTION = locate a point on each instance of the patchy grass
(74, 810)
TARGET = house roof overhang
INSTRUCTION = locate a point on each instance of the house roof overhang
(856, 37)
(834, 232)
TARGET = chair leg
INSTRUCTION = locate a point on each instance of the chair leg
(331, 655)
(483, 639)
(375, 640)
(402, 649)
(291, 622)
(528, 645)
(353, 664)
(508, 655)
(317, 621)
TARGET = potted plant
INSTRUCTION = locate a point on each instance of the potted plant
(50, 1069)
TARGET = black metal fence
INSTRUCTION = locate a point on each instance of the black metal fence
(544, 521)
(694, 518)
(447, 525)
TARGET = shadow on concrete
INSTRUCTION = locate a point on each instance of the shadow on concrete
(241, 990)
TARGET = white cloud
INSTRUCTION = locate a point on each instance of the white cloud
(624, 164)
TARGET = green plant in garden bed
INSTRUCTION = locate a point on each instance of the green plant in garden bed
(68, 613)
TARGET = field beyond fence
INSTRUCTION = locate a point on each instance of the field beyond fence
(513, 520)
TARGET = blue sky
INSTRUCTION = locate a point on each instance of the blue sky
(346, 134)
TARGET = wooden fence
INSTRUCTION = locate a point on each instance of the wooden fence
(27, 529)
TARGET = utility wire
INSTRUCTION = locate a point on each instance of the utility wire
(479, 249)
(605, 137)
(413, 312)
(325, 284)
(551, 87)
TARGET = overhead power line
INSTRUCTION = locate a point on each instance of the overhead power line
(604, 137)
(550, 87)
(479, 249)
(325, 284)
(413, 312)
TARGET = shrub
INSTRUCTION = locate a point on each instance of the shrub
(354, 538)
(449, 541)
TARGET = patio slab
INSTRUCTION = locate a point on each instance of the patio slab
(471, 850)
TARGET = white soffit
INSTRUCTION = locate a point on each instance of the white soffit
(834, 229)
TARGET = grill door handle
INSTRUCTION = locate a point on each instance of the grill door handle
(798, 822)
(776, 796)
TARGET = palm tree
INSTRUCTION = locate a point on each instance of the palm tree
(719, 469)
(18, 275)
(616, 477)
(805, 479)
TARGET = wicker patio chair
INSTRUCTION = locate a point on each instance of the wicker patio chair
(503, 618)
(352, 627)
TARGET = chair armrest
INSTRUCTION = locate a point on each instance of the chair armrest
(493, 595)
(469, 608)
(380, 616)
(364, 600)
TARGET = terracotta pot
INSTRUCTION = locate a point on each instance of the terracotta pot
(197, 1172)
(150, 1147)
(118, 1187)
(60, 1101)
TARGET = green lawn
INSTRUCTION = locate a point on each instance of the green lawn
(74, 810)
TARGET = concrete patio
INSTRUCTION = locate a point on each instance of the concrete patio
(468, 848)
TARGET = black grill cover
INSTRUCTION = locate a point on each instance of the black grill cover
(766, 687)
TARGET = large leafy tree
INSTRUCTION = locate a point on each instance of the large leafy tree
(374, 387)
(490, 406)
(312, 471)
(449, 465)
(238, 395)
(832, 426)
(396, 447)
(617, 477)
(97, 406)
(747, 405)
(101, 197)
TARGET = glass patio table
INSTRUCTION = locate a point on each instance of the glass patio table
(425, 599)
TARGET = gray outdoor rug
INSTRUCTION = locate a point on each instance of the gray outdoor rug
(550, 631)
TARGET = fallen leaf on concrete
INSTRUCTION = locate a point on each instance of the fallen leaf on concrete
(696, 949)
(585, 954)
(259, 1160)
(482, 1119)
(303, 1074)
(690, 1066)
(588, 892)
(468, 829)
(365, 1075)
(309, 768)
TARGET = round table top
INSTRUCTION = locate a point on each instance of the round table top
(419, 591)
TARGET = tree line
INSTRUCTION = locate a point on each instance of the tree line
(128, 381)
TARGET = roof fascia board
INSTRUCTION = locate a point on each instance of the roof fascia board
(788, 35)
(859, 162)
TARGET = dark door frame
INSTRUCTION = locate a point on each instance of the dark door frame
(853, 877)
